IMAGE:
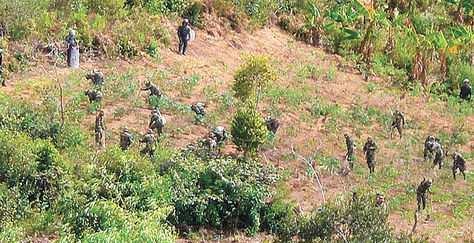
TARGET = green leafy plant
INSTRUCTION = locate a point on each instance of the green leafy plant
(248, 130)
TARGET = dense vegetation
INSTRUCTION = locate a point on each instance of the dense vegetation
(54, 182)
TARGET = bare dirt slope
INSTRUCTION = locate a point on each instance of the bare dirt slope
(214, 59)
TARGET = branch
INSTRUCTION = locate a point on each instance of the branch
(312, 168)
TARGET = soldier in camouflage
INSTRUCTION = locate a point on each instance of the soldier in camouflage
(150, 143)
(380, 201)
(272, 124)
(439, 154)
(153, 89)
(369, 148)
(125, 139)
(351, 146)
(458, 163)
(199, 109)
(96, 77)
(220, 134)
(398, 123)
(2, 75)
(430, 140)
(421, 191)
(99, 129)
(94, 95)
(157, 122)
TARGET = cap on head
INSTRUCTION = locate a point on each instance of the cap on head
(369, 138)
(1, 51)
(150, 131)
(125, 128)
(72, 32)
(466, 80)
(346, 135)
(186, 21)
(101, 112)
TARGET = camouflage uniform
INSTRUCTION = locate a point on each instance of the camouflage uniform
(96, 77)
(94, 95)
(99, 129)
(153, 89)
(380, 202)
(157, 122)
(351, 146)
(125, 139)
(199, 109)
(429, 145)
(458, 163)
(421, 193)
(150, 141)
(272, 124)
(2, 76)
(220, 134)
(369, 148)
(398, 122)
(439, 154)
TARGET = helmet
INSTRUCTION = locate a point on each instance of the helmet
(125, 128)
(1, 51)
(150, 131)
(72, 32)
(186, 21)
(466, 80)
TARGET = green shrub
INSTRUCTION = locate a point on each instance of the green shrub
(361, 219)
(253, 77)
(248, 131)
(34, 167)
(223, 193)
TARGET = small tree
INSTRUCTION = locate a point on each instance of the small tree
(248, 130)
(251, 78)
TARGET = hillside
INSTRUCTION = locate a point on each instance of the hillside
(310, 82)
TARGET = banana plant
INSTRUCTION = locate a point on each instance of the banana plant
(467, 5)
(315, 24)
(424, 49)
(393, 25)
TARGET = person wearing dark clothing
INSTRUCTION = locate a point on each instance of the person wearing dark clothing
(421, 195)
(466, 91)
(183, 35)
(351, 146)
(459, 163)
(369, 148)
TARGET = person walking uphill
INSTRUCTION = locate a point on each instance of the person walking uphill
(369, 148)
(184, 32)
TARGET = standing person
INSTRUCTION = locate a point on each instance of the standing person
(183, 35)
(157, 122)
(421, 195)
(351, 146)
(125, 139)
(398, 123)
(369, 148)
(2, 76)
(429, 142)
(439, 154)
(72, 50)
(458, 163)
(100, 129)
(466, 91)
(150, 143)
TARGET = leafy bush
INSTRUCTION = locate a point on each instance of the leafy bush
(248, 130)
(33, 167)
(251, 78)
(222, 192)
(352, 220)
